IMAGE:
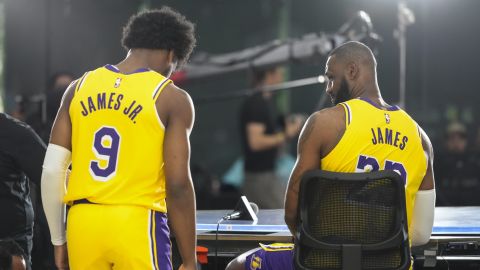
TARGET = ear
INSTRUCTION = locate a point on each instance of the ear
(170, 56)
(352, 70)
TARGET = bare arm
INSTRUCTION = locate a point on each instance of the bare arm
(258, 140)
(55, 165)
(424, 207)
(319, 136)
(308, 158)
(428, 181)
(179, 115)
(62, 126)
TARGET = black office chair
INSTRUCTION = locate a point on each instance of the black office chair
(352, 221)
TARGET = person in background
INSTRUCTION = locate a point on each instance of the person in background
(457, 169)
(55, 88)
(21, 157)
(12, 256)
(42, 119)
(263, 135)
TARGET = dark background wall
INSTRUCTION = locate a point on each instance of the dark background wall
(45, 36)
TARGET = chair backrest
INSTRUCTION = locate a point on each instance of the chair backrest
(352, 221)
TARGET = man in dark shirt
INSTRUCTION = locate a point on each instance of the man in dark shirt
(457, 169)
(262, 136)
(21, 156)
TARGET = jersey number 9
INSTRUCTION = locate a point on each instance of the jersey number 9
(106, 146)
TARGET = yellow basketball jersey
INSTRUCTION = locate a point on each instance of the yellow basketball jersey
(117, 139)
(377, 139)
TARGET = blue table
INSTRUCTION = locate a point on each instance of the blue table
(454, 228)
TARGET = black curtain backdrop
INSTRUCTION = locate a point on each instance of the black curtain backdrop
(46, 36)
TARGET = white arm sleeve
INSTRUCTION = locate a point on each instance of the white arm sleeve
(422, 218)
(55, 165)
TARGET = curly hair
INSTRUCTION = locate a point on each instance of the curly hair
(162, 28)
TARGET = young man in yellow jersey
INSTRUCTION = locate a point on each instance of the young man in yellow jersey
(125, 129)
(361, 133)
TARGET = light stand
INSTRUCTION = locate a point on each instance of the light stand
(405, 18)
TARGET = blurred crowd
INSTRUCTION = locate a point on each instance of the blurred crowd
(39, 111)
(457, 166)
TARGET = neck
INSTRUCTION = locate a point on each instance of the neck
(377, 99)
(133, 61)
(370, 91)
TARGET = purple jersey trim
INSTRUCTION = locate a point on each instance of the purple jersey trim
(81, 81)
(161, 233)
(166, 80)
(116, 70)
(391, 108)
(270, 260)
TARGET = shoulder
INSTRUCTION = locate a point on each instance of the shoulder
(426, 143)
(175, 102)
(177, 96)
(17, 130)
(328, 117)
(255, 99)
(325, 122)
(323, 129)
(69, 93)
(6, 120)
(254, 105)
(335, 111)
(13, 123)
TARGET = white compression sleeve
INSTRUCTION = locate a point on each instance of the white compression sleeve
(422, 218)
(55, 165)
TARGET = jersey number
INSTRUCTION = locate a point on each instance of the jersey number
(106, 145)
(368, 164)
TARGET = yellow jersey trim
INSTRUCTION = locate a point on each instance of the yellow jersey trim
(348, 115)
(277, 246)
(160, 87)
(80, 82)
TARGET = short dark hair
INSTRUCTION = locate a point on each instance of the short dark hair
(9, 248)
(259, 75)
(355, 51)
(162, 28)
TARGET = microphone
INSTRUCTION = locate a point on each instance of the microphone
(244, 210)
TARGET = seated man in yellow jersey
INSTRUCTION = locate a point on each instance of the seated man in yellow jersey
(362, 132)
(125, 128)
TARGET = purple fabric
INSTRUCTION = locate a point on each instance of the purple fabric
(159, 87)
(115, 69)
(349, 113)
(270, 260)
(162, 241)
(391, 108)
